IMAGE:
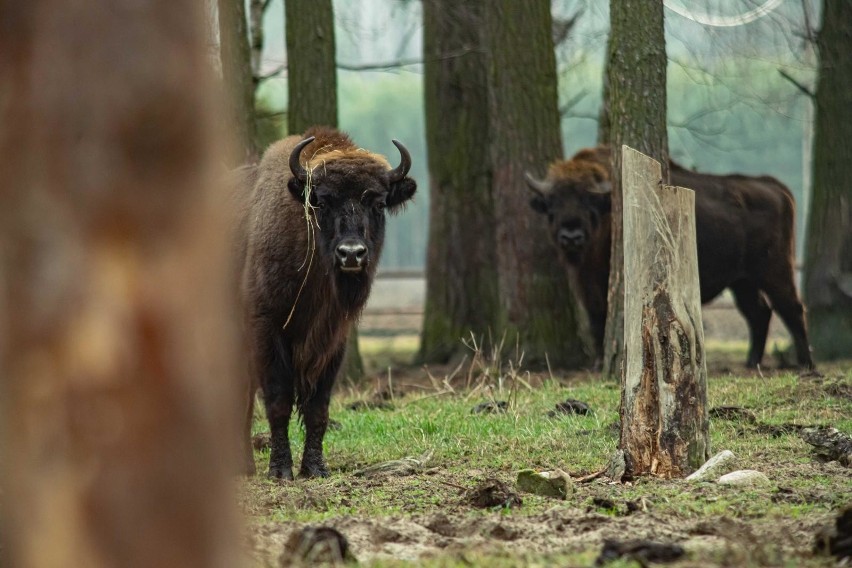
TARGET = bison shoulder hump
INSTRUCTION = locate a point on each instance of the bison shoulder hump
(578, 171)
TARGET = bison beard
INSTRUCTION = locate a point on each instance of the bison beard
(310, 233)
(744, 229)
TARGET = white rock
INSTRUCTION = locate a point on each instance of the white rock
(721, 463)
(745, 477)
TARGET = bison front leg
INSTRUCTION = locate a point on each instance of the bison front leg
(275, 375)
(314, 409)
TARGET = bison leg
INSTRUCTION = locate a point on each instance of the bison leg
(248, 407)
(752, 305)
(275, 375)
(314, 410)
(786, 302)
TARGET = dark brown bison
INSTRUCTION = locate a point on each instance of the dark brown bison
(744, 229)
(311, 233)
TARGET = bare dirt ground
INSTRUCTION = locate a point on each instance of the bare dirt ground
(455, 530)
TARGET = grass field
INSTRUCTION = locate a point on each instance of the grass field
(423, 513)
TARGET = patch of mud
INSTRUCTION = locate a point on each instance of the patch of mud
(410, 538)
(493, 493)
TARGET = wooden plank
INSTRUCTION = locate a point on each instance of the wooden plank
(664, 382)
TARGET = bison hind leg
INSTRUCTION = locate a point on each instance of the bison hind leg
(753, 306)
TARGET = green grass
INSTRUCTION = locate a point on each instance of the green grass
(468, 448)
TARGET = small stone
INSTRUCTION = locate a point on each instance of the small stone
(714, 467)
(316, 545)
(554, 483)
(744, 477)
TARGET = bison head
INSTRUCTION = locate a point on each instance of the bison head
(575, 197)
(349, 193)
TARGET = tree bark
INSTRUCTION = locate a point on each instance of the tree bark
(664, 424)
(311, 71)
(257, 9)
(238, 78)
(461, 265)
(828, 258)
(535, 301)
(636, 77)
(116, 346)
(312, 95)
(604, 124)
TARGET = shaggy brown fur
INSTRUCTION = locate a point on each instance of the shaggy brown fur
(745, 232)
(299, 297)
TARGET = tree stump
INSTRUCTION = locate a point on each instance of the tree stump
(664, 423)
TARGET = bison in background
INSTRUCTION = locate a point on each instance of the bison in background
(310, 233)
(745, 233)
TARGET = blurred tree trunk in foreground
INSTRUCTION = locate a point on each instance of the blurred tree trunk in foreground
(238, 77)
(116, 367)
(312, 96)
(535, 301)
(636, 89)
(461, 271)
(828, 257)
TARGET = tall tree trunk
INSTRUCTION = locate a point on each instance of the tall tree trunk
(828, 260)
(238, 78)
(636, 77)
(311, 65)
(312, 96)
(535, 299)
(116, 367)
(461, 265)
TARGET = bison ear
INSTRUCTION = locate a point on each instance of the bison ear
(539, 203)
(297, 188)
(400, 192)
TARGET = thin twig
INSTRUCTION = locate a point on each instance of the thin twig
(796, 83)
(590, 477)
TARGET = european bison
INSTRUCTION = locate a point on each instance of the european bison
(744, 229)
(311, 235)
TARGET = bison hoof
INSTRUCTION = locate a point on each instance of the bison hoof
(280, 472)
(310, 471)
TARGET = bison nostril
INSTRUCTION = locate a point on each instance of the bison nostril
(351, 252)
(573, 237)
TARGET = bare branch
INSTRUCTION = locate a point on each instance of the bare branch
(562, 28)
(797, 84)
(274, 73)
(403, 62)
(572, 102)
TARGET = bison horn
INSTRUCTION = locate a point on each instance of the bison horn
(603, 188)
(295, 164)
(404, 165)
(536, 185)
